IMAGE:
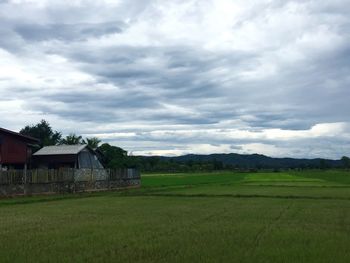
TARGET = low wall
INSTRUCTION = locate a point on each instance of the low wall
(44, 181)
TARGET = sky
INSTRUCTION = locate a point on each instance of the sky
(177, 77)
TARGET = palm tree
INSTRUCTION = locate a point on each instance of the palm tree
(72, 139)
(92, 142)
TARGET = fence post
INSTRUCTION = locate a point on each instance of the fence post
(108, 178)
(74, 182)
(25, 179)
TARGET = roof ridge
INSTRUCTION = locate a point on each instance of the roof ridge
(61, 149)
(20, 135)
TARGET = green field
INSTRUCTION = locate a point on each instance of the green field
(213, 217)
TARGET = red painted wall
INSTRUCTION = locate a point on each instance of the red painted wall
(13, 149)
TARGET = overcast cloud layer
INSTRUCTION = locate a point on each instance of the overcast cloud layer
(176, 77)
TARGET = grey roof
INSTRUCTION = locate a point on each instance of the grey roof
(60, 150)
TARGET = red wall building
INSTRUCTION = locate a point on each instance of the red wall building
(15, 149)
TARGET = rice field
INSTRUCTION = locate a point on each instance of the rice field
(204, 217)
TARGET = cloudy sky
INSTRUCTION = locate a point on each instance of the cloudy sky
(176, 77)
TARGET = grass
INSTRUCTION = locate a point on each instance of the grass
(207, 217)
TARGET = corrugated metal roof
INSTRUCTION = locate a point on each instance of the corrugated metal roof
(60, 150)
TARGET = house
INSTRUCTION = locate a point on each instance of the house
(67, 156)
(16, 149)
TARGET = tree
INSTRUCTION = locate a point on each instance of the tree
(324, 164)
(346, 161)
(114, 157)
(92, 142)
(43, 132)
(72, 139)
(218, 165)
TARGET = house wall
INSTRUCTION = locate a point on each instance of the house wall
(54, 161)
(13, 150)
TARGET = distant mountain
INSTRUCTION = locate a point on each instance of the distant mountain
(253, 161)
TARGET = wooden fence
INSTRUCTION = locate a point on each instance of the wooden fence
(36, 181)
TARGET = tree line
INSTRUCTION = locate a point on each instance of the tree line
(112, 156)
(47, 136)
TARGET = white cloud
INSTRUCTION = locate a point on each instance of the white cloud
(174, 77)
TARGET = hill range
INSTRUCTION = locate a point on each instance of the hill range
(254, 161)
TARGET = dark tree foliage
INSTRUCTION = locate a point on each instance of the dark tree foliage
(324, 164)
(217, 162)
(43, 132)
(218, 165)
(92, 142)
(346, 162)
(72, 139)
(113, 156)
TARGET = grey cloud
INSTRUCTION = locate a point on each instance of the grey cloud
(186, 72)
(68, 32)
(162, 82)
(9, 40)
(236, 147)
(99, 108)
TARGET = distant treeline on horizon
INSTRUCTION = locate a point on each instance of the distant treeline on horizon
(232, 161)
(116, 157)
